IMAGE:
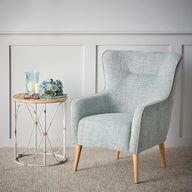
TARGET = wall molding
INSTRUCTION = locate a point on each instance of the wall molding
(94, 43)
(95, 32)
(11, 46)
(183, 90)
(104, 47)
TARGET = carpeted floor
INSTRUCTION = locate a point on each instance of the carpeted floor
(99, 171)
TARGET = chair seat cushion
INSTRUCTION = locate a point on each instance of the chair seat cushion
(110, 130)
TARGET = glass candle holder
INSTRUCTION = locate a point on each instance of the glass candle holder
(32, 78)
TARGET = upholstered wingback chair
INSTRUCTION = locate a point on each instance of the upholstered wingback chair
(133, 112)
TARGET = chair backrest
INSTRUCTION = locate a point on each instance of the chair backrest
(133, 78)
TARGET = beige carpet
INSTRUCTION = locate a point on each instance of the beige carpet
(99, 171)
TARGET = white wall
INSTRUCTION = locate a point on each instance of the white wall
(66, 39)
(95, 15)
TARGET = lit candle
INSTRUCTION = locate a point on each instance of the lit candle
(31, 88)
(37, 88)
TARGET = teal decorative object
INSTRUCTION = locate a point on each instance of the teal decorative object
(31, 79)
(52, 89)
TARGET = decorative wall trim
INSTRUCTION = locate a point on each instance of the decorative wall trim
(182, 91)
(94, 43)
(96, 32)
(122, 47)
(10, 74)
(10, 94)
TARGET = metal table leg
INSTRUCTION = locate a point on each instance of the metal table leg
(59, 156)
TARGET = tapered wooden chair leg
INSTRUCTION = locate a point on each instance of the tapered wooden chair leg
(136, 167)
(77, 156)
(117, 154)
(162, 155)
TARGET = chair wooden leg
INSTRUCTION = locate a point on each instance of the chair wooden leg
(117, 154)
(162, 155)
(77, 156)
(136, 167)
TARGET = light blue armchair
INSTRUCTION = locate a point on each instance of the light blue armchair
(133, 113)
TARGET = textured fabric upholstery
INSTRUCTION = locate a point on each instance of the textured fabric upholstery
(96, 104)
(139, 86)
(111, 130)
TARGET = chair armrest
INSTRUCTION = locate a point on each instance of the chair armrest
(150, 125)
(86, 106)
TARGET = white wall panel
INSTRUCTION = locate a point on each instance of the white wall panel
(95, 15)
(186, 123)
(58, 62)
(66, 39)
(102, 48)
(75, 58)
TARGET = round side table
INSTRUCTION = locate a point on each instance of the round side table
(38, 128)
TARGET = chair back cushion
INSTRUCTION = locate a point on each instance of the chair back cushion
(133, 78)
